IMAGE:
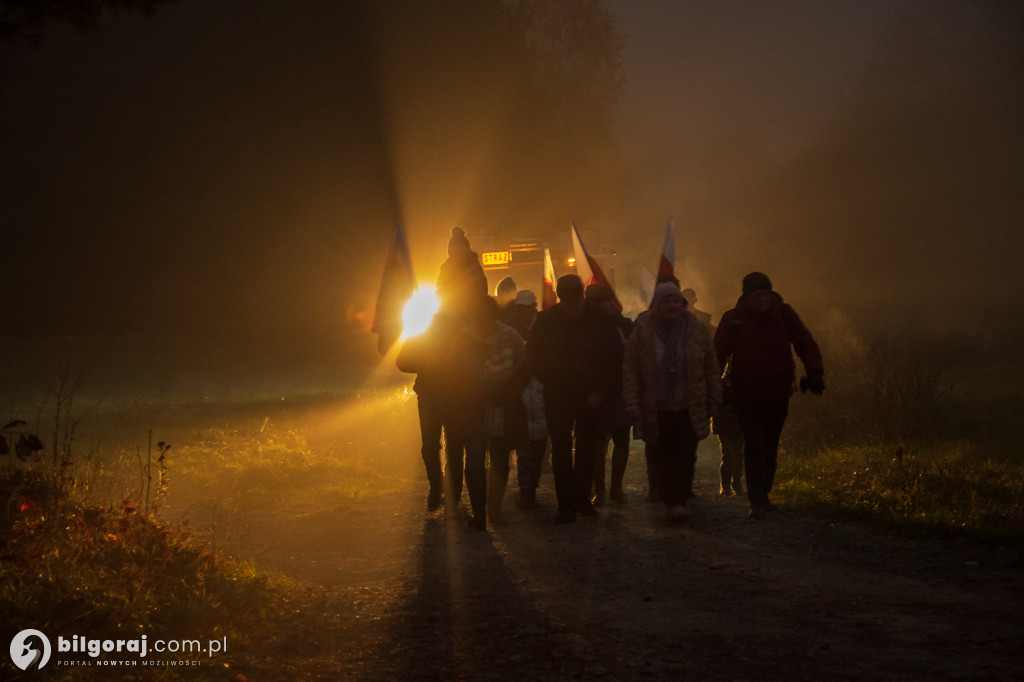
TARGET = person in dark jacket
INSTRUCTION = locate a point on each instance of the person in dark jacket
(532, 448)
(757, 339)
(614, 424)
(428, 357)
(572, 351)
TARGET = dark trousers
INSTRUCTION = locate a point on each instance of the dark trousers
(476, 471)
(675, 455)
(620, 457)
(500, 455)
(528, 464)
(467, 455)
(762, 424)
(568, 416)
(431, 423)
(731, 471)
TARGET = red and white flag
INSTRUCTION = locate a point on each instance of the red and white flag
(548, 296)
(587, 266)
(647, 283)
(396, 288)
(667, 264)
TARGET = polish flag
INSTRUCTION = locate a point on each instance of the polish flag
(587, 267)
(396, 287)
(548, 296)
(667, 263)
(648, 281)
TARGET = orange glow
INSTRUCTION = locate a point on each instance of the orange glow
(419, 311)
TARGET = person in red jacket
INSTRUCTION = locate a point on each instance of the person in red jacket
(757, 339)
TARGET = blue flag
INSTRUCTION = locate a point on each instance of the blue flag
(396, 288)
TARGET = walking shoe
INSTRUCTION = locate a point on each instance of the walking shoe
(565, 516)
(586, 509)
(737, 488)
(618, 497)
(434, 500)
(478, 523)
(756, 513)
(677, 514)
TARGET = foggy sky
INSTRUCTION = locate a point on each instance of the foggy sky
(234, 166)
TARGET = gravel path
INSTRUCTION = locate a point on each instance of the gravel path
(396, 593)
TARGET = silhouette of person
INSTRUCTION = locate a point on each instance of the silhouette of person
(614, 424)
(691, 304)
(572, 351)
(757, 339)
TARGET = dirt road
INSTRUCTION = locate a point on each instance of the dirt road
(400, 594)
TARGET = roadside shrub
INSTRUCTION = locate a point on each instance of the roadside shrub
(76, 567)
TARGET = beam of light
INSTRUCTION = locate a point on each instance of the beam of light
(419, 311)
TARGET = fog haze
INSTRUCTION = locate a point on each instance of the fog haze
(237, 168)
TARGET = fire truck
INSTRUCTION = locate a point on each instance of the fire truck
(523, 261)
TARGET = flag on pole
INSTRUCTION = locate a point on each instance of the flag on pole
(667, 264)
(587, 266)
(396, 287)
(548, 296)
(583, 263)
(647, 283)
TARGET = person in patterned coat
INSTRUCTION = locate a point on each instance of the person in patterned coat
(671, 384)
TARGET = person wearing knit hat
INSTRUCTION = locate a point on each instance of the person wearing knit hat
(462, 279)
(756, 281)
(756, 339)
(671, 385)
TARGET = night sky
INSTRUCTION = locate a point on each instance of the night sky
(230, 166)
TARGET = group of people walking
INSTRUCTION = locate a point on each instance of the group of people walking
(495, 375)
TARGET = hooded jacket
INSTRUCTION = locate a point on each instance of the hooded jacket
(760, 346)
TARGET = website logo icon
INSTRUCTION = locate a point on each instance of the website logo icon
(30, 649)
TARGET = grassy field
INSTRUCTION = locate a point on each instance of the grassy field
(921, 435)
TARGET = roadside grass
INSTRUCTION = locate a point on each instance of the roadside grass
(920, 435)
(950, 488)
(73, 567)
(85, 549)
(292, 457)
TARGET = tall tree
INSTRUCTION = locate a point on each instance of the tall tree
(28, 18)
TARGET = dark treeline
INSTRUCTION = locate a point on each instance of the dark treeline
(229, 166)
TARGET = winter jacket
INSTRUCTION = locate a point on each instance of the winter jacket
(702, 383)
(429, 357)
(575, 356)
(758, 346)
(503, 354)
